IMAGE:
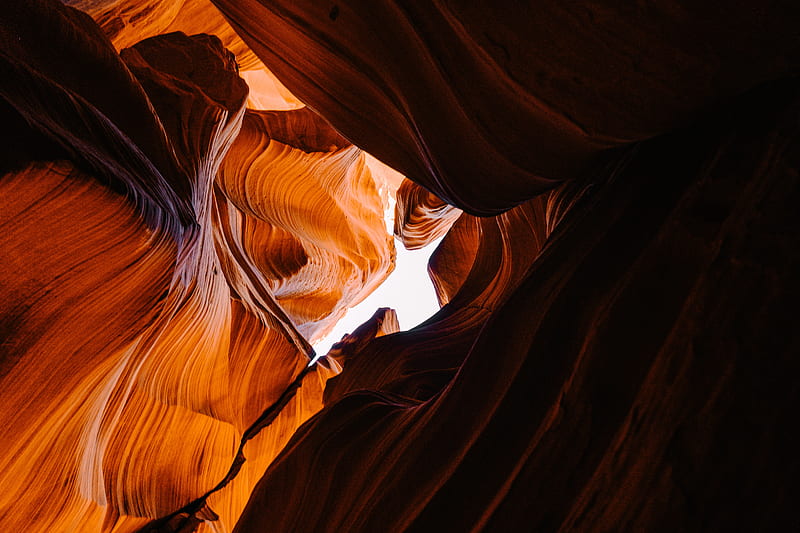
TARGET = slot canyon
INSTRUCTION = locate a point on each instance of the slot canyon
(194, 192)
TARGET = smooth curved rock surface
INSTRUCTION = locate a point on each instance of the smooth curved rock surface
(616, 348)
(614, 386)
(146, 331)
(488, 107)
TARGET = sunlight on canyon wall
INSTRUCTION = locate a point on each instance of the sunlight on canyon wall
(175, 281)
(194, 192)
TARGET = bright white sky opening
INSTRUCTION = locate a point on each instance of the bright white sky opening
(408, 290)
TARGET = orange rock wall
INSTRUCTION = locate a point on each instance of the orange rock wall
(616, 348)
(152, 311)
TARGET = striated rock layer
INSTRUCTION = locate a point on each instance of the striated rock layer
(153, 312)
(638, 375)
(420, 216)
(617, 187)
(126, 22)
(598, 360)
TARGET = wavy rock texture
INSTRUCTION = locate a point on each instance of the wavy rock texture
(638, 376)
(421, 217)
(487, 107)
(148, 322)
(616, 348)
(313, 267)
(592, 369)
(416, 365)
(126, 22)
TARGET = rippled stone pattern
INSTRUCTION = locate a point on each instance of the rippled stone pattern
(420, 216)
(153, 311)
(636, 374)
(487, 107)
(616, 188)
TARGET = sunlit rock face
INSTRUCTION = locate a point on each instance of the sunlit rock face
(167, 267)
(617, 188)
(420, 216)
(315, 260)
(126, 22)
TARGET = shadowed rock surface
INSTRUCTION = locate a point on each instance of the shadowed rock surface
(617, 188)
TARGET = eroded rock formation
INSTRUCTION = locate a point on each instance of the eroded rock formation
(617, 188)
(488, 107)
(632, 393)
(159, 312)
(420, 216)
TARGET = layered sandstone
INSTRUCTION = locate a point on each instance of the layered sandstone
(155, 311)
(616, 190)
